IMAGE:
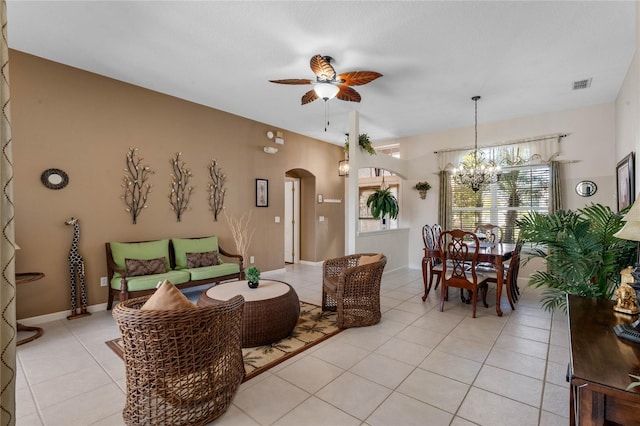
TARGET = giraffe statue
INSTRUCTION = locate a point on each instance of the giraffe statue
(76, 273)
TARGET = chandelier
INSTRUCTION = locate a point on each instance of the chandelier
(474, 171)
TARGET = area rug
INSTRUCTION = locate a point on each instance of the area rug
(314, 326)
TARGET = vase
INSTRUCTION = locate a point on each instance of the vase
(252, 284)
(423, 193)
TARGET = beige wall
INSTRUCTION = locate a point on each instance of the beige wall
(84, 124)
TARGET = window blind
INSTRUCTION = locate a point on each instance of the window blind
(519, 190)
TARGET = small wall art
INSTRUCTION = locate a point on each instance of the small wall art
(180, 194)
(262, 193)
(134, 182)
(625, 179)
(217, 190)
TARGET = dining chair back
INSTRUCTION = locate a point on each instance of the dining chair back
(492, 233)
(437, 230)
(431, 265)
(459, 250)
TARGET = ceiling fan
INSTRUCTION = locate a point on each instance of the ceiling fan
(327, 85)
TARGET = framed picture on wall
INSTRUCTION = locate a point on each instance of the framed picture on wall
(625, 181)
(262, 193)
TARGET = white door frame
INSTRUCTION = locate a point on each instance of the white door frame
(292, 220)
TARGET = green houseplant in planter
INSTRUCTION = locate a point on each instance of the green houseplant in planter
(422, 187)
(252, 274)
(364, 142)
(581, 254)
(383, 203)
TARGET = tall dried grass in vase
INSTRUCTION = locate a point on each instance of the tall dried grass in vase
(240, 231)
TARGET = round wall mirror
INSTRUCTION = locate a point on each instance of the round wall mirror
(586, 188)
(54, 178)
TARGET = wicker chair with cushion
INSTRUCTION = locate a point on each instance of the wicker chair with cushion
(351, 286)
(183, 366)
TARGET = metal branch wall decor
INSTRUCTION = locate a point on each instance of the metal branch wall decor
(216, 188)
(180, 189)
(136, 188)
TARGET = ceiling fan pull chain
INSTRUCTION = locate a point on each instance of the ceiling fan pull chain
(326, 115)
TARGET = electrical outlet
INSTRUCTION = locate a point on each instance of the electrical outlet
(103, 281)
(252, 259)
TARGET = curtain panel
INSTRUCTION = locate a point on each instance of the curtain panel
(7, 245)
(444, 201)
(555, 190)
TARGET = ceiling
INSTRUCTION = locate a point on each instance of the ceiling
(522, 57)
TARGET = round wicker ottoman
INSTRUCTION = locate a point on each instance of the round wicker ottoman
(271, 311)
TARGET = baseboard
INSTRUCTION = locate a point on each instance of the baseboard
(310, 263)
(58, 315)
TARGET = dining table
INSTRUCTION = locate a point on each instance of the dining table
(494, 253)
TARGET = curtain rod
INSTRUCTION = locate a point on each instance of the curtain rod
(512, 142)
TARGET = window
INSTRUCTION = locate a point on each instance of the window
(369, 183)
(520, 189)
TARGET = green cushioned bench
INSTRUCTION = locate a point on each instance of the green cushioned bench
(126, 281)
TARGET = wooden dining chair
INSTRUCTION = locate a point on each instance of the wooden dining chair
(459, 268)
(431, 265)
(511, 271)
(492, 233)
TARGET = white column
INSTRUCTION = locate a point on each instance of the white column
(352, 193)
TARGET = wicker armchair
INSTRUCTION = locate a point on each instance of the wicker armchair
(182, 366)
(351, 290)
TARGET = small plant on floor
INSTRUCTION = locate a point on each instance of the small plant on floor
(253, 276)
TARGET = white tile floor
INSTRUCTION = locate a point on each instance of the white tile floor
(419, 366)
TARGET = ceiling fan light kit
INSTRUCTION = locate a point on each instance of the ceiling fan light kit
(326, 91)
(328, 85)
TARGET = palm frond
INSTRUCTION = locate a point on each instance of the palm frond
(581, 253)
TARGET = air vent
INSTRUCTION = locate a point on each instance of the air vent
(582, 84)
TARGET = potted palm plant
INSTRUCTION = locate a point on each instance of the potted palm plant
(581, 254)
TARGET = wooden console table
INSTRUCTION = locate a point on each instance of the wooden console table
(600, 365)
(28, 277)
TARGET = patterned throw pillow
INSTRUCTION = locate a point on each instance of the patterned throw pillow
(198, 260)
(138, 267)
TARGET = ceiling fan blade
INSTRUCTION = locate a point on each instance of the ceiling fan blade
(292, 81)
(322, 68)
(310, 96)
(347, 93)
(357, 78)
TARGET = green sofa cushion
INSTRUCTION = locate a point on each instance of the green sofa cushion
(149, 282)
(215, 271)
(147, 250)
(182, 246)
